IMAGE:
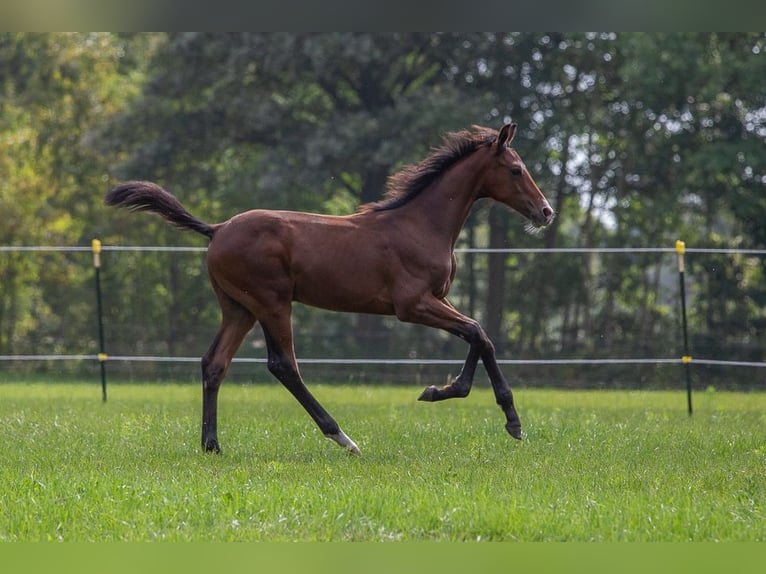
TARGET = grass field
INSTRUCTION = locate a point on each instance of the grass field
(595, 465)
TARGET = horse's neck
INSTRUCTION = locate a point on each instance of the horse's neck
(444, 207)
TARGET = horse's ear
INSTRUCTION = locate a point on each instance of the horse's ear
(505, 137)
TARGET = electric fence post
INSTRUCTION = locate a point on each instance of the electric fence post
(686, 359)
(102, 356)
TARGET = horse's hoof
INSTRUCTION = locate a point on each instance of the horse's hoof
(343, 440)
(429, 394)
(514, 430)
(354, 450)
(211, 446)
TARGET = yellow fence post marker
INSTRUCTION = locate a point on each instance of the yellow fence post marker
(96, 247)
(681, 250)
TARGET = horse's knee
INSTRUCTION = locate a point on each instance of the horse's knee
(475, 335)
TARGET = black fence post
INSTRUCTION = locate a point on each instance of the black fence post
(686, 359)
(102, 356)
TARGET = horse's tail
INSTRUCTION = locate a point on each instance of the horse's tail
(148, 196)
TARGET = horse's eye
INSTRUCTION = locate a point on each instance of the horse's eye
(516, 170)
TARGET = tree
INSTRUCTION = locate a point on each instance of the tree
(53, 89)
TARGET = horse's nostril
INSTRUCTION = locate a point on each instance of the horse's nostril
(547, 212)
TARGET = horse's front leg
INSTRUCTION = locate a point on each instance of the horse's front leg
(503, 394)
(435, 312)
(439, 313)
(460, 387)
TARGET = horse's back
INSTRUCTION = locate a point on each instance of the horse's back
(289, 233)
(325, 261)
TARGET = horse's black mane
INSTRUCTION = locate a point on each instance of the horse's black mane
(407, 184)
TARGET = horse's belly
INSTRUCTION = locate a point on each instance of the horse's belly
(339, 289)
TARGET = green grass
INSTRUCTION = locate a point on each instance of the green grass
(595, 465)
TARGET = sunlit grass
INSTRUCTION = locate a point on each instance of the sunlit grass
(606, 465)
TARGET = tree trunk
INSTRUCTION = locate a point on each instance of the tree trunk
(496, 275)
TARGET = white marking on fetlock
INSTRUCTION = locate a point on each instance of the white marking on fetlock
(342, 439)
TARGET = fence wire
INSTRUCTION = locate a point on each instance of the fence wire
(183, 249)
(393, 361)
(375, 361)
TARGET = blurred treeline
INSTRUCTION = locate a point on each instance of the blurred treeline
(636, 140)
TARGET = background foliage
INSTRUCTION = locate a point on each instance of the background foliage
(636, 139)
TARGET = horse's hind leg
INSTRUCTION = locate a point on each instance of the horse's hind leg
(282, 364)
(235, 324)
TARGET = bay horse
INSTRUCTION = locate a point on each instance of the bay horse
(392, 257)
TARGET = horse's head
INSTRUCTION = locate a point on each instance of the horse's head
(508, 181)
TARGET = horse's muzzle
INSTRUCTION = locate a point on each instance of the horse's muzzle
(542, 216)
